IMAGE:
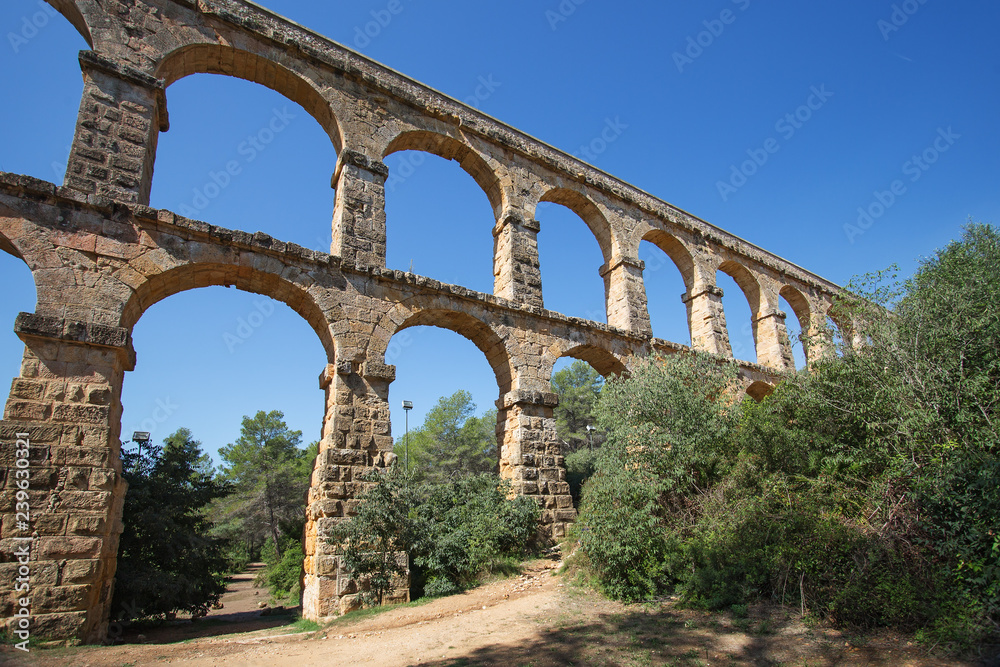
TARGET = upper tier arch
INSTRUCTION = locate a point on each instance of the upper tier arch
(231, 61)
(450, 148)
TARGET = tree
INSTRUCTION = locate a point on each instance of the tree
(266, 470)
(166, 560)
(373, 540)
(452, 442)
(579, 388)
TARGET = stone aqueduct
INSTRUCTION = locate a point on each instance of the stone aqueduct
(100, 257)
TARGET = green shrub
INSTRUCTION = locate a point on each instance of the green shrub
(282, 575)
(468, 527)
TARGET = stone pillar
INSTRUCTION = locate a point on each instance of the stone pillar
(707, 320)
(531, 457)
(774, 349)
(359, 211)
(516, 272)
(356, 438)
(625, 295)
(66, 406)
(121, 115)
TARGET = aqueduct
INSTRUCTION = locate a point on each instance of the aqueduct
(100, 257)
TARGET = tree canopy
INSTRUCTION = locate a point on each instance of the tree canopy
(166, 560)
(269, 477)
(452, 442)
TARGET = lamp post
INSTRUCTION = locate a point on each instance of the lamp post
(140, 437)
(407, 406)
(590, 437)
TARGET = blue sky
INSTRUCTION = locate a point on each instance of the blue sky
(775, 121)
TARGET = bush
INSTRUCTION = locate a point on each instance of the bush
(283, 575)
(453, 532)
(467, 528)
(580, 466)
(865, 490)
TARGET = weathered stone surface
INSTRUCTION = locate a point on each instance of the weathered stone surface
(100, 256)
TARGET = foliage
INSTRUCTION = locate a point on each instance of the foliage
(452, 441)
(166, 561)
(452, 532)
(466, 527)
(283, 573)
(269, 478)
(579, 388)
(865, 489)
(371, 541)
(580, 466)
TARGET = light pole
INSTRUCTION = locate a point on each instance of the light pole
(140, 438)
(590, 436)
(407, 406)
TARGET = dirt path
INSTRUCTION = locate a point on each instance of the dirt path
(533, 619)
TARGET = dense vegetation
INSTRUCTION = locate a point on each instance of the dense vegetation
(453, 532)
(167, 561)
(865, 489)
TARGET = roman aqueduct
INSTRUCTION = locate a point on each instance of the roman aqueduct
(100, 257)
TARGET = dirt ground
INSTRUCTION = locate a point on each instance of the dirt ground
(533, 619)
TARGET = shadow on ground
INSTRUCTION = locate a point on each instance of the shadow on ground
(662, 637)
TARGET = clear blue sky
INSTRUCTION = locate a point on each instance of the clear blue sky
(694, 89)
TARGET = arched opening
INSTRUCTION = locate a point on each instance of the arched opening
(577, 378)
(758, 390)
(569, 259)
(451, 430)
(213, 361)
(741, 303)
(797, 322)
(19, 296)
(439, 220)
(36, 129)
(667, 277)
(242, 156)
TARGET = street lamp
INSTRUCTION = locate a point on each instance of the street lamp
(407, 406)
(140, 438)
(590, 436)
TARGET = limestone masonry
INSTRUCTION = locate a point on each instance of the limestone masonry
(100, 257)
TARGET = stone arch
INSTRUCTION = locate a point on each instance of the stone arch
(759, 390)
(72, 13)
(451, 148)
(242, 64)
(803, 313)
(418, 312)
(600, 359)
(196, 275)
(676, 251)
(746, 281)
(589, 213)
